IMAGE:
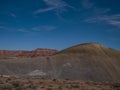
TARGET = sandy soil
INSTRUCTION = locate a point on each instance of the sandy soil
(12, 83)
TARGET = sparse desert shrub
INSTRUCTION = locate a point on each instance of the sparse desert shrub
(32, 86)
(8, 79)
(117, 86)
(6, 87)
(54, 80)
(74, 86)
(40, 82)
(49, 88)
(67, 86)
(19, 88)
(1, 82)
(1, 89)
(42, 87)
(67, 79)
(60, 88)
(84, 88)
(17, 84)
(48, 58)
(42, 78)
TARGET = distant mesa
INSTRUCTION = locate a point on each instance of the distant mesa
(39, 52)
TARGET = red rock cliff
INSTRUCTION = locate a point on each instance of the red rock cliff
(35, 53)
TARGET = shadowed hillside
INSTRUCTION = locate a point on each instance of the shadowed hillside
(88, 61)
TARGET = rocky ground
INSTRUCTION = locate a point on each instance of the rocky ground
(12, 83)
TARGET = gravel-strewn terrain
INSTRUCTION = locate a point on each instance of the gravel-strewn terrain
(13, 83)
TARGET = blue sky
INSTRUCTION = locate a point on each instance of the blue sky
(58, 24)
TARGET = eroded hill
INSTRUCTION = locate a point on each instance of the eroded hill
(89, 61)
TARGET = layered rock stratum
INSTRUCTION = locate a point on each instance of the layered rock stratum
(27, 54)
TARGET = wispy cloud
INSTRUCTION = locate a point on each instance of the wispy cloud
(24, 30)
(56, 5)
(7, 29)
(44, 28)
(2, 27)
(13, 15)
(87, 4)
(44, 10)
(29, 30)
(111, 20)
(100, 15)
(101, 11)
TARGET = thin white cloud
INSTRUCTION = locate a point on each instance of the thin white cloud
(87, 4)
(111, 20)
(56, 5)
(7, 29)
(44, 28)
(29, 30)
(23, 30)
(13, 15)
(2, 27)
(100, 11)
(44, 10)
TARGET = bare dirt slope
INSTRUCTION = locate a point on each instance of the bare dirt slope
(89, 61)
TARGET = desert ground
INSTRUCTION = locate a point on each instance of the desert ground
(13, 83)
